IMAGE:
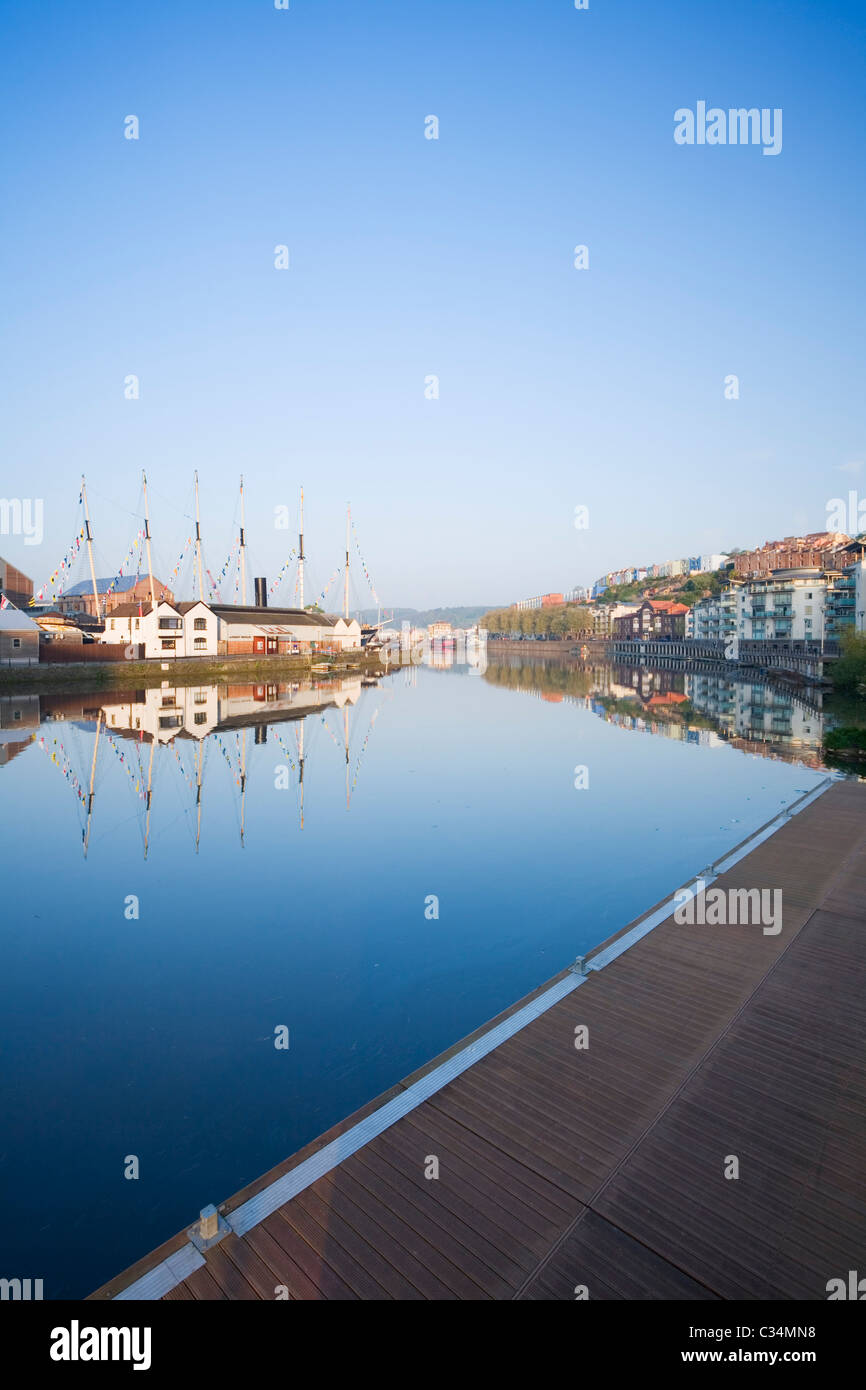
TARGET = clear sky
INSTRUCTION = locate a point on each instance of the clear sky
(412, 257)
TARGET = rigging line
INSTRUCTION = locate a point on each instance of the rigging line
(96, 492)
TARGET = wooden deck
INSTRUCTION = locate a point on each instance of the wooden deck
(605, 1167)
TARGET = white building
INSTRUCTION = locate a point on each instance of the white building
(282, 631)
(713, 617)
(708, 564)
(787, 605)
(165, 629)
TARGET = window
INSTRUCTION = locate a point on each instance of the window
(200, 624)
(136, 622)
(16, 641)
(168, 644)
(111, 624)
(17, 714)
(171, 623)
(201, 718)
(200, 644)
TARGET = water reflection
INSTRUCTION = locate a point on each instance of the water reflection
(767, 718)
(136, 727)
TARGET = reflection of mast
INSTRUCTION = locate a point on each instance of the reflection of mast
(92, 777)
(346, 742)
(198, 765)
(243, 778)
(89, 535)
(147, 536)
(243, 547)
(301, 768)
(149, 791)
(198, 541)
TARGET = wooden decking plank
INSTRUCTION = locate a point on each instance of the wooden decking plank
(203, 1286)
(179, 1294)
(447, 1275)
(286, 1272)
(507, 1137)
(503, 1221)
(496, 1242)
(609, 1265)
(318, 1271)
(458, 1242)
(545, 1206)
(227, 1275)
(257, 1274)
(390, 1279)
(335, 1256)
(393, 1239)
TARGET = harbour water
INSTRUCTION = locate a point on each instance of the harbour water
(374, 867)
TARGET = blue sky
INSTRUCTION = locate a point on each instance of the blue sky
(412, 257)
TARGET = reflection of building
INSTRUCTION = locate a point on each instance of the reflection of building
(758, 712)
(169, 712)
(19, 720)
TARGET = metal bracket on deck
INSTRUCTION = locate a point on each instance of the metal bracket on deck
(579, 967)
(209, 1229)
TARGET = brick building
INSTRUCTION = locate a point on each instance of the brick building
(80, 598)
(15, 585)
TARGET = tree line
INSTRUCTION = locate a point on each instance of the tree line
(564, 620)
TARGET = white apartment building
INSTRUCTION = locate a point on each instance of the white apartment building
(713, 617)
(788, 605)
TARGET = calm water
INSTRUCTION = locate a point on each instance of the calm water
(261, 904)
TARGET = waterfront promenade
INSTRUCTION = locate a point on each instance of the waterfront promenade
(602, 1168)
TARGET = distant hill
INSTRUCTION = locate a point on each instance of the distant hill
(421, 617)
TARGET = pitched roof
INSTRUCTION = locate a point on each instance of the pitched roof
(294, 617)
(118, 586)
(134, 610)
(13, 620)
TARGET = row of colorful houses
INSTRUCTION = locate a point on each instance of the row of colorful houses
(669, 569)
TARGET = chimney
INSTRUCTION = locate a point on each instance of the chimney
(261, 586)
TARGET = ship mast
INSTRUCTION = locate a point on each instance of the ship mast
(89, 535)
(243, 550)
(346, 578)
(198, 541)
(147, 538)
(301, 554)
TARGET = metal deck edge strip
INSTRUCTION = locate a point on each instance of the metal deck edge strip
(165, 1276)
